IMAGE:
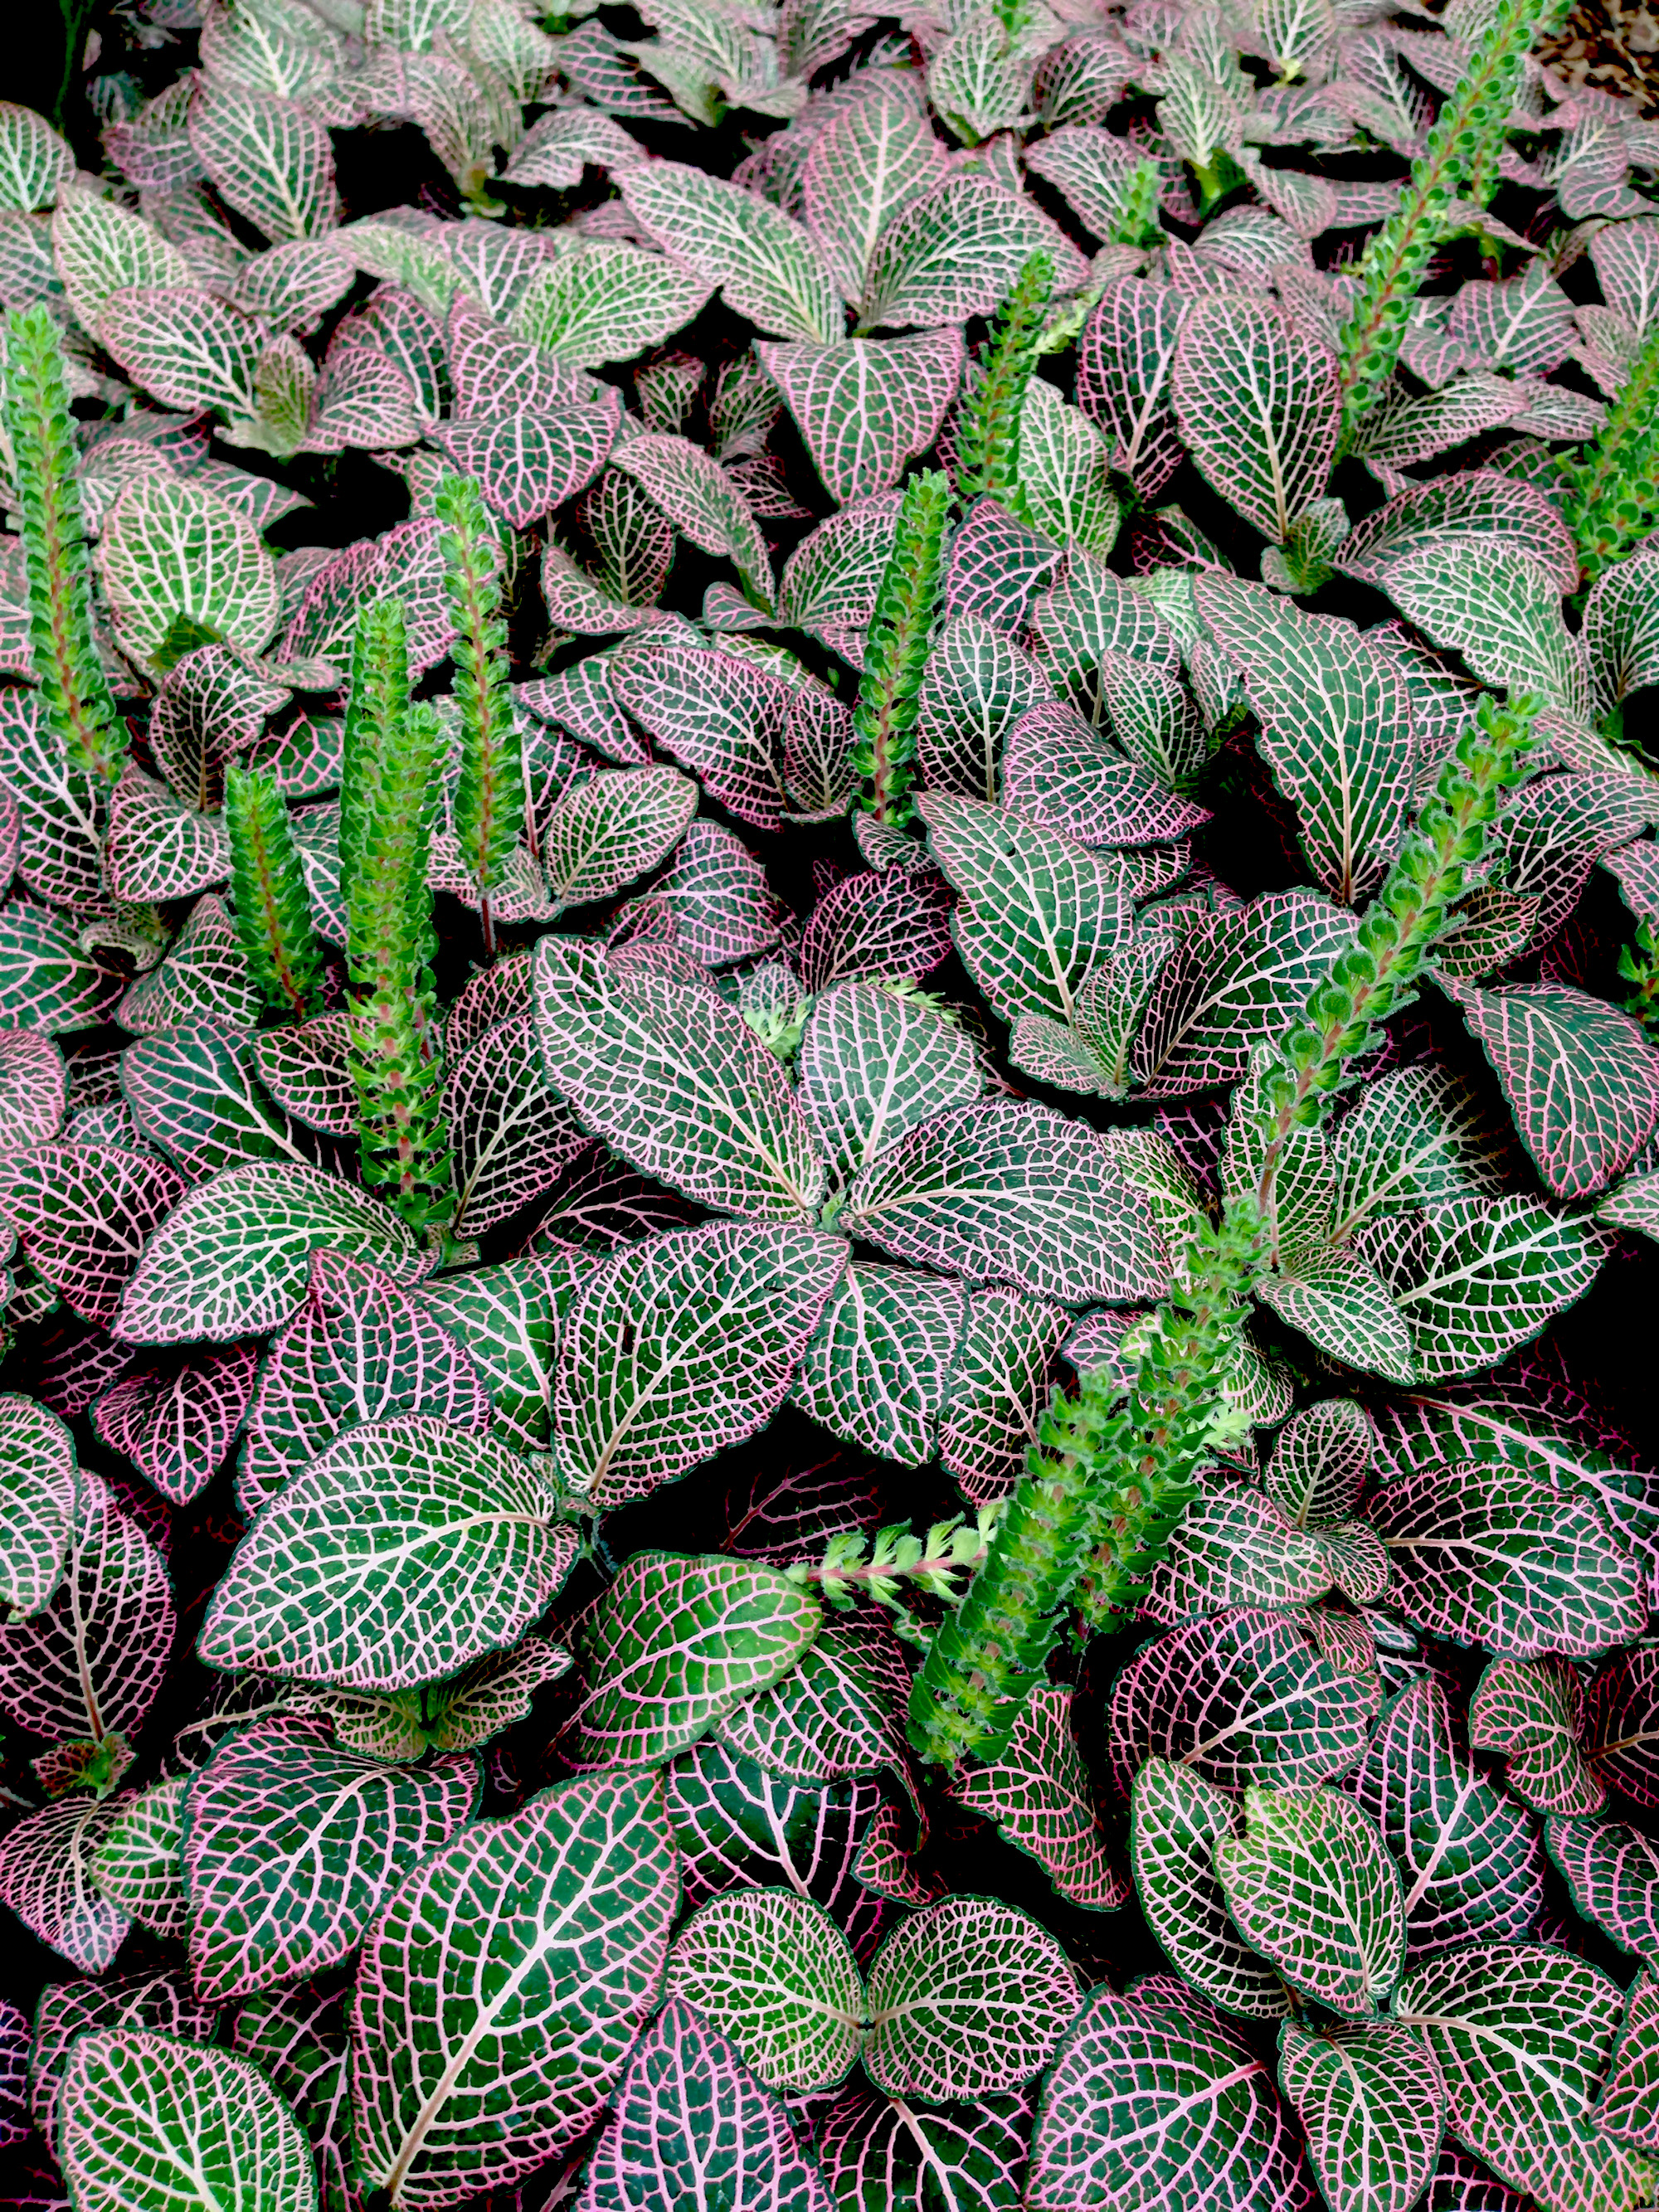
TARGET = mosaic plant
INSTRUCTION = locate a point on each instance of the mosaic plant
(828, 1015)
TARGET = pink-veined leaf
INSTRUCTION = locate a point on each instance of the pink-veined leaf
(874, 1369)
(957, 252)
(722, 717)
(33, 1089)
(885, 2151)
(1008, 1190)
(998, 1389)
(138, 1867)
(527, 464)
(407, 1549)
(204, 976)
(514, 1134)
(1147, 2103)
(1245, 1698)
(405, 563)
(1259, 409)
(878, 155)
(1060, 773)
(68, 2009)
(37, 1490)
(681, 1346)
(1475, 503)
(91, 1663)
(84, 1215)
(692, 2123)
(1523, 2033)
(996, 567)
(1176, 1821)
(303, 1066)
(1531, 1711)
(837, 1712)
(1628, 2106)
(502, 1987)
(1371, 2101)
(1469, 1855)
(1311, 1887)
(702, 501)
(865, 406)
(1612, 1872)
(968, 1998)
(1504, 1561)
(177, 1421)
(360, 1349)
(1037, 1793)
(769, 1969)
(674, 1643)
(46, 1878)
(978, 685)
(291, 1846)
(886, 924)
(1620, 1726)
(195, 1094)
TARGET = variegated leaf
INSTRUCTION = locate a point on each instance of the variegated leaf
(234, 1257)
(770, 1971)
(46, 1878)
(874, 1370)
(38, 1491)
(682, 1345)
(68, 2009)
(148, 2119)
(1237, 977)
(877, 155)
(608, 831)
(977, 686)
(1581, 1080)
(406, 1549)
(673, 1643)
(1176, 1821)
(838, 1712)
(290, 1846)
(716, 890)
(893, 925)
(1469, 1855)
(170, 548)
(724, 718)
(176, 1423)
(1037, 911)
(1531, 1712)
(514, 1134)
(185, 350)
(91, 1663)
(738, 1827)
(360, 1349)
(34, 1088)
(1311, 1887)
(865, 406)
(1246, 1698)
(1335, 728)
(1504, 1561)
(692, 2122)
(1371, 2101)
(501, 1988)
(84, 1215)
(955, 253)
(767, 266)
(998, 1389)
(1124, 359)
(204, 976)
(268, 160)
(505, 1318)
(1259, 409)
(1620, 1726)
(405, 562)
(607, 301)
(1502, 611)
(1628, 2106)
(1038, 1795)
(1612, 1872)
(873, 1064)
(1523, 2033)
(195, 1093)
(1151, 2102)
(677, 1083)
(967, 1999)
(1474, 1277)
(525, 464)
(139, 1867)
(892, 2156)
(1009, 1190)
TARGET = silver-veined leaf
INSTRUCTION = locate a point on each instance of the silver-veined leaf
(955, 253)
(1259, 409)
(607, 301)
(514, 1134)
(607, 832)
(879, 154)
(408, 1548)
(675, 1641)
(501, 1988)
(1009, 1190)
(969, 1998)
(874, 1370)
(171, 548)
(681, 1346)
(771, 1971)
(195, 1093)
(84, 1214)
(147, 2120)
(46, 1877)
(1335, 728)
(873, 1064)
(505, 1318)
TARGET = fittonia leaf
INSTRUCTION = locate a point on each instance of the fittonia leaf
(720, 867)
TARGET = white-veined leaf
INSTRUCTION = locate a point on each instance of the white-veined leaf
(1310, 1887)
(969, 1998)
(37, 1502)
(865, 406)
(1371, 2101)
(1176, 1820)
(874, 1370)
(767, 266)
(607, 302)
(771, 1971)
(1259, 409)
(171, 548)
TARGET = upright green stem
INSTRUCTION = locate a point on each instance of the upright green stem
(1612, 495)
(74, 699)
(988, 442)
(273, 911)
(896, 650)
(1104, 1486)
(1461, 153)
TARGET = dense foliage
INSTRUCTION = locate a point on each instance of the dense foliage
(828, 949)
